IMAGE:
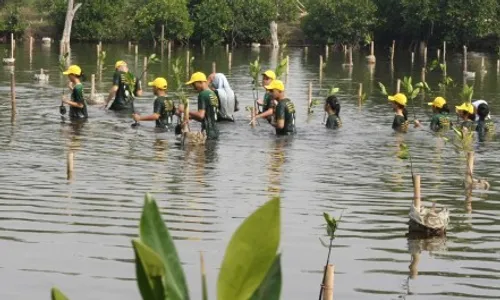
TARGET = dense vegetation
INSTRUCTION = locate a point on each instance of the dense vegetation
(243, 21)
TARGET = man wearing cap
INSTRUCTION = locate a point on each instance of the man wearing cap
(163, 108)
(121, 92)
(441, 118)
(284, 112)
(267, 103)
(466, 112)
(208, 105)
(77, 104)
(400, 122)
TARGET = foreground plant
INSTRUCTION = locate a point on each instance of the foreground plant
(251, 268)
(331, 227)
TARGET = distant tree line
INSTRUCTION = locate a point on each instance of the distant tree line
(351, 22)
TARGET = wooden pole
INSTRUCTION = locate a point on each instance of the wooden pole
(444, 52)
(326, 52)
(438, 54)
(230, 60)
(393, 49)
(12, 45)
(92, 86)
(214, 68)
(227, 48)
(306, 50)
(145, 68)
(425, 56)
(416, 192)
(412, 58)
(372, 48)
(13, 92)
(320, 68)
(465, 59)
(469, 172)
(360, 93)
(309, 97)
(350, 56)
(423, 75)
(483, 68)
(398, 86)
(136, 50)
(70, 165)
(31, 49)
(329, 282)
(498, 66)
(162, 38)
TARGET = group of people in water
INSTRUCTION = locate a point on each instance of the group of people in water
(217, 102)
(474, 116)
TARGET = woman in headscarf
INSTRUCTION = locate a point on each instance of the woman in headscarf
(228, 104)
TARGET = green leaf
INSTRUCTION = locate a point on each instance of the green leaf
(324, 243)
(204, 290)
(270, 288)
(334, 90)
(154, 234)
(149, 271)
(382, 89)
(56, 294)
(250, 253)
(415, 93)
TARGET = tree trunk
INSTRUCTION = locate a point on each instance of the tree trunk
(274, 34)
(70, 14)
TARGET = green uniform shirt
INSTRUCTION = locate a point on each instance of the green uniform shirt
(77, 96)
(285, 110)
(268, 102)
(208, 101)
(469, 124)
(486, 126)
(441, 121)
(400, 124)
(123, 99)
(333, 122)
(166, 109)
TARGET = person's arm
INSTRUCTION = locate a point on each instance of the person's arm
(77, 97)
(138, 88)
(114, 88)
(265, 114)
(152, 117)
(200, 114)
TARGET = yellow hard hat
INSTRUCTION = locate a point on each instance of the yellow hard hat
(120, 63)
(270, 74)
(74, 70)
(275, 85)
(466, 107)
(159, 83)
(196, 77)
(399, 98)
(439, 102)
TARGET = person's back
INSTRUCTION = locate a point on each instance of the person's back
(77, 113)
(125, 94)
(484, 125)
(208, 101)
(166, 108)
(285, 110)
(333, 122)
(441, 121)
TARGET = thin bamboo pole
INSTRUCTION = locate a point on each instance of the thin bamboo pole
(444, 52)
(92, 86)
(360, 93)
(350, 56)
(438, 54)
(136, 50)
(70, 165)
(309, 98)
(162, 38)
(329, 282)
(423, 75)
(465, 59)
(230, 60)
(398, 86)
(214, 67)
(12, 45)
(412, 58)
(425, 56)
(13, 92)
(393, 48)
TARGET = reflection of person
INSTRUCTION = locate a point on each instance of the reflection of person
(441, 119)
(332, 107)
(400, 123)
(266, 103)
(284, 111)
(78, 106)
(121, 90)
(208, 105)
(227, 99)
(466, 112)
(163, 108)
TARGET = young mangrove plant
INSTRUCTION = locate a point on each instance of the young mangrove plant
(131, 80)
(281, 67)
(258, 276)
(180, 93)
(411, 91)
(331, 227)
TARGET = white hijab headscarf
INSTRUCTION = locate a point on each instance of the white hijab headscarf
(226, 96)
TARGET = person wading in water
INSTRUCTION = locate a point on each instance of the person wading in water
(122, 93)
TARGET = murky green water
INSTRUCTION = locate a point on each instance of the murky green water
(77, 236)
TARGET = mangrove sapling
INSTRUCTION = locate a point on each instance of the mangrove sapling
(159, 270)
(281, 67)
(331, 227)
(255, 72)
(183, 121)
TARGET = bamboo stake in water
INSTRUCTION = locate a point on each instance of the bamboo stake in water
(328, 284)
(92, 86)
(498, 66)
(306, 50)
(227, 48)
(350, 56)
(444, 52)
(423, 75)
(393, 49)
(483, 68)
(309, 98)
(360, 93)
(230, 60)
(12, 45)
(416, 192)
(70, 165)
(412, 58)
(326, 52)
(372, 48)
(31, 49)
(214, 67)
(425, 56)
(145, 68)
(438, 54)
(136, 50)
(13, 92)
(398, 86)
(465, 59)
(162, 38)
